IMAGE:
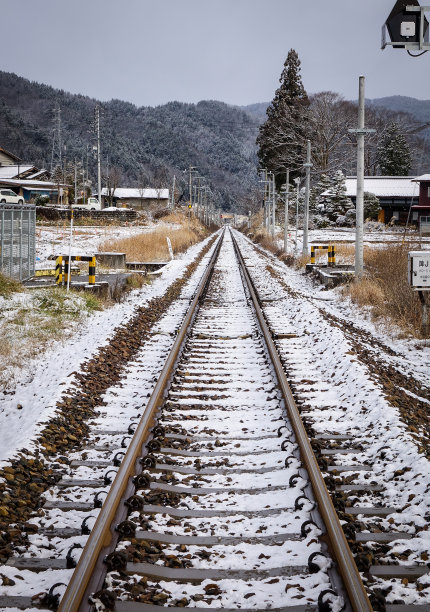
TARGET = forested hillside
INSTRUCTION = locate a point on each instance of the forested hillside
(148, 144)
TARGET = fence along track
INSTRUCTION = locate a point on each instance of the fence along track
(89, 573)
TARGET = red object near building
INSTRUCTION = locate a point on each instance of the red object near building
(422, 209)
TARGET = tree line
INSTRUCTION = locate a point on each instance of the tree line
(324, 118)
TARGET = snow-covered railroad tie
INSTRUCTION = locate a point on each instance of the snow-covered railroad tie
(372, 456)
(219, 510)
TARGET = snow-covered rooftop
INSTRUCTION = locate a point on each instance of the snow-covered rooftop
(146, 194)
(36, 174)
(383, 186)
(423, 177)
(28, 183)
(13, 171)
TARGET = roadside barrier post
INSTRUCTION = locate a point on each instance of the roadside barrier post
(331, 252)
(59, 270)
(92, 271)
(66, 271)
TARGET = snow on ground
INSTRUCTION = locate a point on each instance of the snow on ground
(53, 240)
(342, 396)
(46, 377)
(374, 236)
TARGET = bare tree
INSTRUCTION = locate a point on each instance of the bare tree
(113, 180)
(330, 118)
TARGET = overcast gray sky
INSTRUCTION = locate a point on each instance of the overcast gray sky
(153, 51)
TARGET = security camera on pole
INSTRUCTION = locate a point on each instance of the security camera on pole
(407, 27)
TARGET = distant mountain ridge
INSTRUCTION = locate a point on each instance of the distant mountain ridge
(420, 109)
(157, 142)
(218, 139)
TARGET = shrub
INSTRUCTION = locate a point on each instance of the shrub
(8, 286)
(386, 289)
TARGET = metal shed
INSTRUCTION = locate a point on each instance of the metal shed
(17, 241)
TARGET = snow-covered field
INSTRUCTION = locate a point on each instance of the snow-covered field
(42, 381)
(340, 390)
(86, 240)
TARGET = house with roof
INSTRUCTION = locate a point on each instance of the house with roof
(397, 195)
(137, 198)
(422, 208)
(27, 180)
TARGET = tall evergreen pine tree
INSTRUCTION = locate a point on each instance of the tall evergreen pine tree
(394, 156)
(282, 138)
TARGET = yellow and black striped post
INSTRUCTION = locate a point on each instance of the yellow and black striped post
(331, 251)
(59, 270)
(92, 271)
(332, 255)
(66, 270)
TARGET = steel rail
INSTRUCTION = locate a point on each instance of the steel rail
(346, 565)
(85, 580)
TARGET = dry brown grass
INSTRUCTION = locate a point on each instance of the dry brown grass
(300, 261)
(386, 290)
(152, 246)
(367, 292)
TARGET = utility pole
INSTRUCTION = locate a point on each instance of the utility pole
(99, 174)
(172, 205)
(190, 184)
(359, 202)
(56, 152)
(76, 184)
(308, 167)
(273, 205)
(297, 182)
(287, 195)
(269, 201)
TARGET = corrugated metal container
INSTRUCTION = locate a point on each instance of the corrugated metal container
(17, 241)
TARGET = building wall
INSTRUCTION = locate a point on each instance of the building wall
(424, 197)
(137, 203)
(5, 160)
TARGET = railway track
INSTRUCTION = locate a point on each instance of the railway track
(217, 499)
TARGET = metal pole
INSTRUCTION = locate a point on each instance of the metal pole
(70, 251)
(424, 313)
(20, 243)
(273, 205)
(269, 201)
(190, 185)
(2, 244)
(99, 173)
(12, 230)
(287, 194)
(296, 250)
(359, 205)
(76, 184)
(308, 166)
(173, 192)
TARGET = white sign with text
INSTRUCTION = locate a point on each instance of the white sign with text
(419, 269)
